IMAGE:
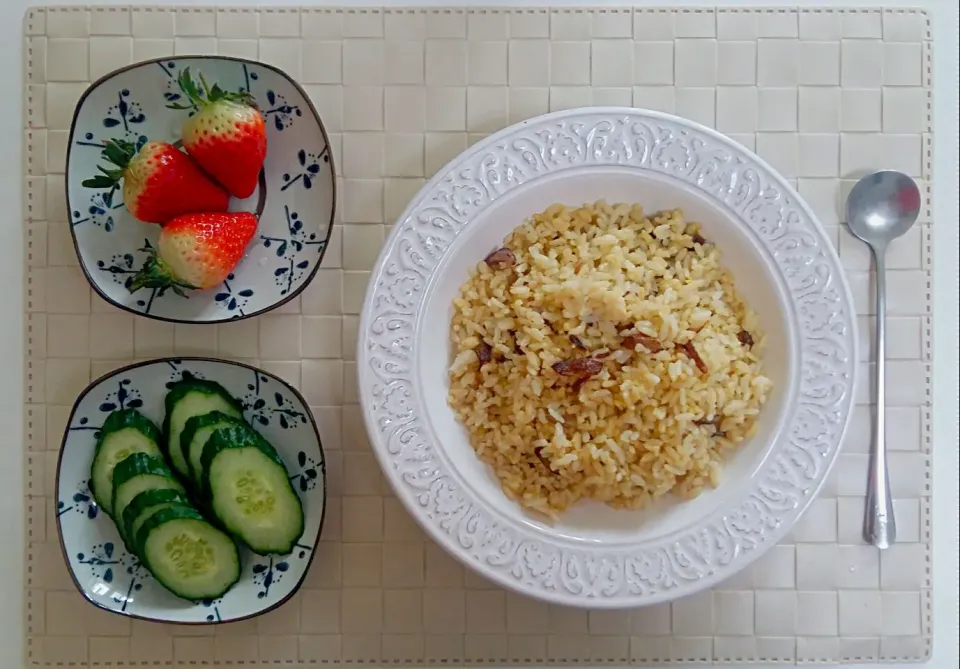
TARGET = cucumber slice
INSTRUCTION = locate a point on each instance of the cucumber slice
(186, 399)
(137, 473)
(196, 432)
(124, 432)
(146, 504)
(249, 490)
(187, 555)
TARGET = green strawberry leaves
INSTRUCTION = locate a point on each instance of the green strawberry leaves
(117, 152)
(190, 91)
(204, 94)
(100, 181)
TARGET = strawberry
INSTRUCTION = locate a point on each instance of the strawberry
(196, 251)
(226, 134)
(160, 182)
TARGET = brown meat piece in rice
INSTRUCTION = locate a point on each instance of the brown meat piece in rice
(501, 259)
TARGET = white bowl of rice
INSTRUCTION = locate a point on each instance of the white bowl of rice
(519, 409)
(600, 361)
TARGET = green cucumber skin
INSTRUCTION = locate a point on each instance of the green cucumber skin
(140, 463)
(188, 385)
(116, 421)
(234, 436)
(121, 418)
(190, 429)
(244, 436)
(177, 513)
(143, 501)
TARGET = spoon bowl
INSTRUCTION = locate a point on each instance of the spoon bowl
(883, 206)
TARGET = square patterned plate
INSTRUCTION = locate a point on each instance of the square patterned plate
(295, 200)
(111, 577)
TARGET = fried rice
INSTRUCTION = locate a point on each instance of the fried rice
(604, 354)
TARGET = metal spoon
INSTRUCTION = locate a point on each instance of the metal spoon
(881, 207)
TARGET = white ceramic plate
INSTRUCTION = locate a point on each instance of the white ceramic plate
(111, 577)
(295, 199)
(784, 266)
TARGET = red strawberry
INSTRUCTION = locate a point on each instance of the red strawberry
(226, 134)
(196, 251)
(160, 182)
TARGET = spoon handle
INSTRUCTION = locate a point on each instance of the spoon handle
(879, 525)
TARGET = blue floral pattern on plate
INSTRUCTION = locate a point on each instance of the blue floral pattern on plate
(111, 577)
(295, 198)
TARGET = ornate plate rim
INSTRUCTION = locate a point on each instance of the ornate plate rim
(688, 560)
(188, 358)
(333, 176)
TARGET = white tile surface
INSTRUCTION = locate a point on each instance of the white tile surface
(651, 24)
(861, 110)
(736, 62)
(697, 104)
(817, 614)
(570, 63)
(820, 25)
(819, 63)
(822, 95)
(737, 25)
(904, 110)
(781, 150)
(611, 62)
(403, 62)
(487, 62)
(652, 63)
(902, 64)
(777, 109)
(657, 98)
(446, 62)
(861, 63)
(695, 62)
(700, 23)
(529, 62)
(405, 108)
(736, 109)
(818, 109)
(778, 62)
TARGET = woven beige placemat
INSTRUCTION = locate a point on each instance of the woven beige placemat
(821, 94)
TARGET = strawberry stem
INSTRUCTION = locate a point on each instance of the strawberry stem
(157, 274)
